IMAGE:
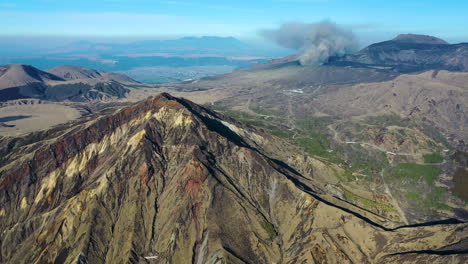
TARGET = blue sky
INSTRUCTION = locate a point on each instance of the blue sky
(370, 19)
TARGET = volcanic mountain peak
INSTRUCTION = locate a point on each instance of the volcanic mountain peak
(72, 72)
(16, 75)
(410, 53)
(166, 180)
(421, 39)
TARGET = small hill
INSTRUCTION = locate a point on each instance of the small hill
(72, 72)
(71, 83)
(16, 75)
(421, 39)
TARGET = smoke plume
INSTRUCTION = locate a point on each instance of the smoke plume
(315, 42)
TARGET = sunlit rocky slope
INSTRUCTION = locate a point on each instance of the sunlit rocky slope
(168, 181)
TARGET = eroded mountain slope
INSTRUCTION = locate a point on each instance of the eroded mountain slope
(167, 181)
(393, 136)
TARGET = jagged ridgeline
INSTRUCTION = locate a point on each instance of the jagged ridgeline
(168, 181)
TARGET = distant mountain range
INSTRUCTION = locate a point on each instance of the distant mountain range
(181, 58)
(212, 45)
(226, 46)
(377, 62)
(360, 160)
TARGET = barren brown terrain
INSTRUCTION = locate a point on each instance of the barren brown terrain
(166, 180)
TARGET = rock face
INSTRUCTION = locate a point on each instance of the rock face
(168, 181)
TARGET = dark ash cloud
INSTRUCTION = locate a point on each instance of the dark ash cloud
(315, 42)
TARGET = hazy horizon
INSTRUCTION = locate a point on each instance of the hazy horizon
(47, 33)
(125, 20)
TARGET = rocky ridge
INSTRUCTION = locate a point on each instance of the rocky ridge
(168, 181)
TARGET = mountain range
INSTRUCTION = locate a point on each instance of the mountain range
(360, 160)
(67, 82)
(153, 61)
(228, 46)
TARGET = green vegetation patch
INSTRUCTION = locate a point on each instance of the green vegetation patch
(281, 133)
(313, 138)
(270, 229)
(253, 120)
(346, 175)
(367, 203)
(402, 132)
(429, 200)
(433, 158)
(415, 172)
(413, 196)
(388, 120)
(312, 135)
(265, 112)
(434, 199)
(316, 145)
(434, 134)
